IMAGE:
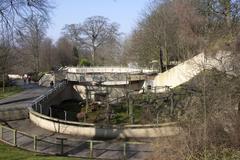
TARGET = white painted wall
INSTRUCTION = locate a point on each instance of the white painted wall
(46, 79)
(187, 70)
(107, 70)
(91, 130)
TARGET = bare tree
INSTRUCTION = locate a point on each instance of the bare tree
(183, 28)
(94, 33)
(13, 11)
(64, 49)
(31, 36)
(48, 57)
(5, 53)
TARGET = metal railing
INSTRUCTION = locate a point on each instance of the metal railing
(108, 69)
(39, 102)
(40, 106)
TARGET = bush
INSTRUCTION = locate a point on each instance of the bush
(84, 62)
(7, 81)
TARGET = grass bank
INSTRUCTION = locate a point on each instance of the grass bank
(9, 91)
(12, 153)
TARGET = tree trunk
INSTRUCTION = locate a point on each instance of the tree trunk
(238, 124)
(108, 108)
(93, 58)
(3, 83)
(94, 52)
(227, 8)
(165, 50)
(37, 58)
(87, 104)
(161, 61)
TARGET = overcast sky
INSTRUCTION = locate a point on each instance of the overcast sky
(124, 12)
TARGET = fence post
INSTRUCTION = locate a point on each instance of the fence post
(15, 137)
(61, 145)
(124, 150)
(36, 107)
(35, 143)
(1, 132)
(91, 149)
(65, 115)
(172, 103)
(40, 108)
(50, 111)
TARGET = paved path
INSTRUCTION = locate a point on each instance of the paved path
(75, 146)
(16, 106)
(22, 99)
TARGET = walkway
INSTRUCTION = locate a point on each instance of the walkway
(185, 71)
(73, 145)
(15, 107)
(31, 91)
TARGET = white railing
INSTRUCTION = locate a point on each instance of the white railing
(111, 69)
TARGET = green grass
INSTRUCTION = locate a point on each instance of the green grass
(9, 91)
(12, 153)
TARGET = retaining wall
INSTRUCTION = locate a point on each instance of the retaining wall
(97, 131)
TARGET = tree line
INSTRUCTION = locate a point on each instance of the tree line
(167, 31)
(175, 30)
(25, 47)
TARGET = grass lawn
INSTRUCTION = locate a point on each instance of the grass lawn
(9, 91)
(12, 153)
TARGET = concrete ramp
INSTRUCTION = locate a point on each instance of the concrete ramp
(185, 71)
(46, 80)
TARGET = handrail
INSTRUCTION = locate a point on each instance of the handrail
(56, 87)
(32, 111)
(110, 69)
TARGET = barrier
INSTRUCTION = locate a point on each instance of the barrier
(42, 117)
(67, 147)
(103, 131)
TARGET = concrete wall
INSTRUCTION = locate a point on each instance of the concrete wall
(46, 80)
(115, 91)
(91, 130)
(192, 67)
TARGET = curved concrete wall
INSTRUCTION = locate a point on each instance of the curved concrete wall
(91, 130)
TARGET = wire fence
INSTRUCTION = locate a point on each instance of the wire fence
(40, 104)
(72, 147)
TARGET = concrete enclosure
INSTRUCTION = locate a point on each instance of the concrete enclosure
(96, 131)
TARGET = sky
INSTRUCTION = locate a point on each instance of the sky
(124, 12)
